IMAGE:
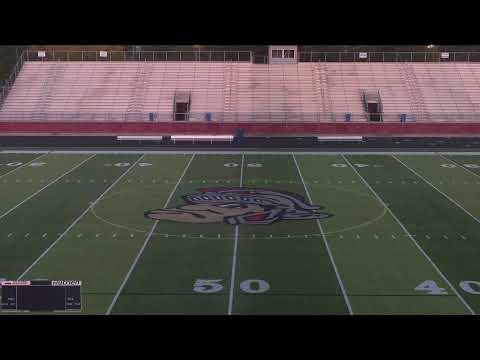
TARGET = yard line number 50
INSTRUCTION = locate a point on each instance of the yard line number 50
(210, 286)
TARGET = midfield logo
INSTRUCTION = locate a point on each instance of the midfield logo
(236, 206)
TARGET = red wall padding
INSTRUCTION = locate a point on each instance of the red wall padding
(251, 129)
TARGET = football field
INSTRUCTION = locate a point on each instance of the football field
(247, 233)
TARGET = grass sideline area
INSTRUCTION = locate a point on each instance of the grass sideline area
(246, 233)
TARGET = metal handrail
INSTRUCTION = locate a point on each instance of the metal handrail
(249, 56)
(119, 55)
(388, 56)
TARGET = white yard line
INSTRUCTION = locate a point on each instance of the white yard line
(411, 238)
(440, 191)
(339, 279)
(46, 186)
(25, 151)
(79, 218)
(234, 259)
(21, 166)
(147, 239)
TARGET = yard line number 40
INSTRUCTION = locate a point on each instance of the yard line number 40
(431, 287)
(210, 286)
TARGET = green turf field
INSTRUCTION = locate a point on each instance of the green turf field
(233, 233)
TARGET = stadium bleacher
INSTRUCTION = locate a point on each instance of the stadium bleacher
(80, 92)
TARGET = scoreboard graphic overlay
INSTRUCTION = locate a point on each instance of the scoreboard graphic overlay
(41, 295)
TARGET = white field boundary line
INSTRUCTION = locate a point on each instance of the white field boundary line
(236, 152)
(147, 239)
(78, 219)
(458, 164)
(412, 238)
(339, 279)
(25, 151)
(440, 191)
(22, 166)
(46, 186)
(234, 258)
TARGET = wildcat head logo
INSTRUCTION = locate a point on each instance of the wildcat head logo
(236, 206)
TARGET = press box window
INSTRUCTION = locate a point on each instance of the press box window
(277, 54)
(288, 54)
